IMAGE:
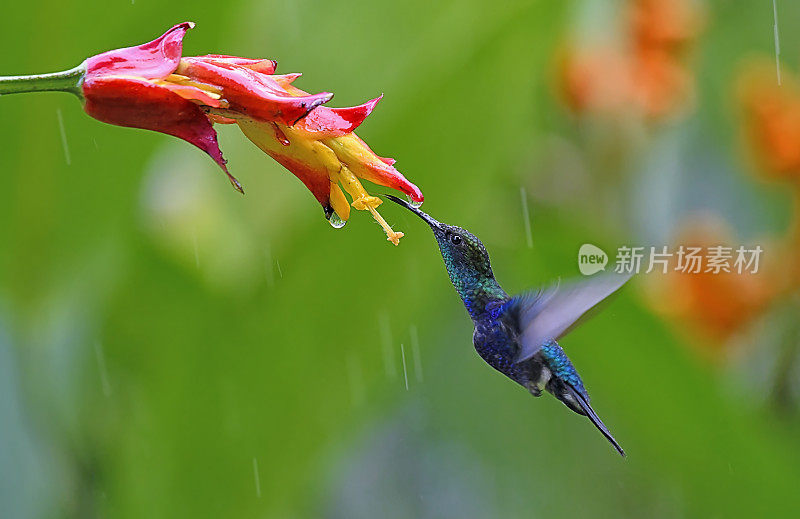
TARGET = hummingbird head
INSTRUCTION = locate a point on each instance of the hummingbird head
(464, 256)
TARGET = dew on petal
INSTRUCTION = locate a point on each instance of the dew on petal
(279, 135)
(336, 222)
(413, 203)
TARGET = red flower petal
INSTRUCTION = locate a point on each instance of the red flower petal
(153, 60)
(251, 93)
(384, 174)
(138, 103)
(285, 80)
(316, 181)
(335, 122)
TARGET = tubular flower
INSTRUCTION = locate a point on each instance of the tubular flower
(320, 148)
(153, 87)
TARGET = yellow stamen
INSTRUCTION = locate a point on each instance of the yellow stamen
(318, 154)
(211, 90)
(351, 184)
(364, 201)
(391, 235)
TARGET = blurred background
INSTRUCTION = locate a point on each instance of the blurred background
(169, 348)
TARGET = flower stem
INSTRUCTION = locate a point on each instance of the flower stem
(66, 81)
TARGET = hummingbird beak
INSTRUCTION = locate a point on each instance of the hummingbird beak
(428, 219)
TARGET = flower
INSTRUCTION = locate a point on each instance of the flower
(595, 81)
(645, 74)
(771, 130)
(154, 87)
(717, 305)
(772, 120)
(320, 147)
(664, 26)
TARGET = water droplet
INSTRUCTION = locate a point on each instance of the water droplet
(336, 222)
(413, 203)
(279, 135)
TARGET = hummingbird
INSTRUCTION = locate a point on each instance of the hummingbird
(517, 335)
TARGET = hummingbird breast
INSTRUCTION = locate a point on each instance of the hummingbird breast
(498, 343)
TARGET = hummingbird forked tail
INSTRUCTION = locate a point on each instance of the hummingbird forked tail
(576, 401)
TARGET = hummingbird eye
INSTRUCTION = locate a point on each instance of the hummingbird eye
(455, 239)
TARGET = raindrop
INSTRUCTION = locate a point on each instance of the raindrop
(258, 480)
(413, 203)
(405, 371)
(526, 216)
(269, 269)
(279, 135)
(63, 137)
(336, 222)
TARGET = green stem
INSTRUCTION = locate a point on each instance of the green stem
(66, 81)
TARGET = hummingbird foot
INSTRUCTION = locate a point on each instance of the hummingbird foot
(534, 389)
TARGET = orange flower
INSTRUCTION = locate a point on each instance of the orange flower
(664, 25)
(715, 305)
(594, 82)
(661, 84)
(772, 120)
(771, 130)
(646, 75)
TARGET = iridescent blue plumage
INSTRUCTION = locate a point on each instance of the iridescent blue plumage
(517, 335)
(562, 367)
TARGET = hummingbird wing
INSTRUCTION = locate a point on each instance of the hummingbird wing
(547, 315)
